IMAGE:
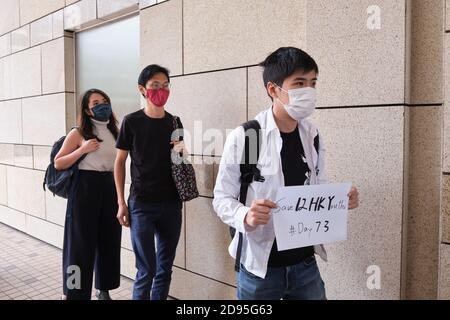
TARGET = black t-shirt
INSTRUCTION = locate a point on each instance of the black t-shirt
(148, 141)
(296, 172)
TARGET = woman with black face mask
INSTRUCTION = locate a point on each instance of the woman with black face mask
(92, 234)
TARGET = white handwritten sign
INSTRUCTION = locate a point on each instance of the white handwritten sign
(310, 215)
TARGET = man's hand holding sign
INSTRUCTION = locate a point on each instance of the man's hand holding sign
(306, 215)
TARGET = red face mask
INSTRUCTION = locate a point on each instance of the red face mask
(158, 97)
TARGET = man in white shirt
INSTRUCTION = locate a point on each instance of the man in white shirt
(291, 153)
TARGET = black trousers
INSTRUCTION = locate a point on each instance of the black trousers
(92, 236)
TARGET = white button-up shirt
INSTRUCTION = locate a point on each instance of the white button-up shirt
(258, 242)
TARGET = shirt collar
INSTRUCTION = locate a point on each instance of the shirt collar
(270, 122)
(100, 123)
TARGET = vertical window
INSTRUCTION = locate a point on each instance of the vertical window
(107, 58)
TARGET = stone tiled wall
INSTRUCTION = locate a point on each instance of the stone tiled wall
(444, 269)
(380, 112)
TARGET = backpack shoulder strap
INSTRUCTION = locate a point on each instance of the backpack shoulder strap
(249, 173)
(84, 155)
(76, 127)
(248, 167)
(316, 143)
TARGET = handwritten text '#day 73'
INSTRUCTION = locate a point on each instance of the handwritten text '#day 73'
(315, 204)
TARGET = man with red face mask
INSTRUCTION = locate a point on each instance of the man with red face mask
(154, 206)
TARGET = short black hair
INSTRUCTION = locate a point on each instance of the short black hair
(284, 62)
(150, 71)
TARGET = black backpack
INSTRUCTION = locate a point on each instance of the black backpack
(250, 173)
(59, 182)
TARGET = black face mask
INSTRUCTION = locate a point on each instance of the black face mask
(102, 112)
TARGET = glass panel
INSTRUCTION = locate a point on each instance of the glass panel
(108, 59)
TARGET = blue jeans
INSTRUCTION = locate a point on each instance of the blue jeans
(154, 269)
(298, 282)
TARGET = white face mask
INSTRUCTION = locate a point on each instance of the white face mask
(302, 103)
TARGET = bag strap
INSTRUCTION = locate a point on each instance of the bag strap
(82, 157)
(176, 125)
(316, 143)
(248, 166)
(249, 173)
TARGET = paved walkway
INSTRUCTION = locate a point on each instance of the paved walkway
(31, 269)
